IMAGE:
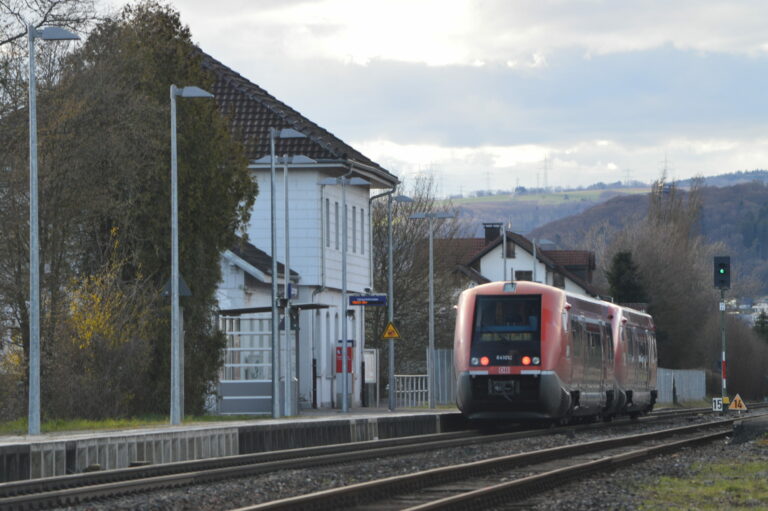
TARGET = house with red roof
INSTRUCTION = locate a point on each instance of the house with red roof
(511, 256)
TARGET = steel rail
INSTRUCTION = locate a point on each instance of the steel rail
(146, 471)
(359, 494)
(523, 487)
(39, 493)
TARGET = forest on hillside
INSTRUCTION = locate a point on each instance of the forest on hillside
(736, 216)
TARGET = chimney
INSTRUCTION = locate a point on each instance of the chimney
(492, 231)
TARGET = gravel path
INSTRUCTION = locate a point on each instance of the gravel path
(617, 491)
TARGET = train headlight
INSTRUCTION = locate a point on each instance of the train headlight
(485, 361)
(526, 360)
(474, 361)
(536, 361)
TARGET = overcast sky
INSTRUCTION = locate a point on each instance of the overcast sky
(478, 93)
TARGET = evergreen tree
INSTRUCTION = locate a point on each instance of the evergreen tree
(624, 279)
(105, 196)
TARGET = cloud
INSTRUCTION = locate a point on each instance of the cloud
(462, 32)
(477, 92)
(464, 169)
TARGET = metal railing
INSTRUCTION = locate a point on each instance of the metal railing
(411, 390)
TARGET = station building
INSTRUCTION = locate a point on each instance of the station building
(316, 216)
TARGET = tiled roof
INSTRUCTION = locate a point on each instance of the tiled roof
(252, 111)
(571, 257)
(473, 274)
(458, 250)
(257, 258)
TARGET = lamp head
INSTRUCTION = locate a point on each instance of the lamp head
(56, 34)
(191, 91)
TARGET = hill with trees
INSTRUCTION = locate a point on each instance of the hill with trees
(658, 249)
(734, 216)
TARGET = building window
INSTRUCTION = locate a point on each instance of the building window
(523, 275)
(510, 250)
(336, 221)
(362, 231)
(354, 229)
(328, 223)
(558, 280)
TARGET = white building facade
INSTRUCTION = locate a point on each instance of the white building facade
(524, 260)
(315, 237)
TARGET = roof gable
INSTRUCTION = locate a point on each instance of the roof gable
(255, 261)
(252, 111)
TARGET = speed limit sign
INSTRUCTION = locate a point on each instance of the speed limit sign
(717, 404)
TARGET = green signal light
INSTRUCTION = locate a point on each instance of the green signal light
(722, 271)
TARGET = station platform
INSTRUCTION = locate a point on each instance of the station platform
(55, 454)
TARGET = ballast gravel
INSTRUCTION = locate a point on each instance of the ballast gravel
(623, 489)
(617, 490)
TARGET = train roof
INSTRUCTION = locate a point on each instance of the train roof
(516, 287)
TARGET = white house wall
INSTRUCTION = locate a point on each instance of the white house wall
(492, 265)
(307, 225)
(317, 260)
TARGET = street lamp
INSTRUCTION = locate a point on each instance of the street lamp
(275, 133)
(392, 402)
(431, 359)
(344, 181)
(46, 34)
(288, 408)
(176, 383)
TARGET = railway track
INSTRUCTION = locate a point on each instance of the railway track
(476, 485)
(72, 489)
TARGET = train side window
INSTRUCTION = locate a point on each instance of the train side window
(577, 335)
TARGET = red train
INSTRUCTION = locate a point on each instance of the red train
(527, 351)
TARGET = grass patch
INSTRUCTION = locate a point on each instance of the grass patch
(19, 426)
(729, 485)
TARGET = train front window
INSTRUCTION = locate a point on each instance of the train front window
(507, 318)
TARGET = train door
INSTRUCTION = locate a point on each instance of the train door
(595, 364)
(643, 358)
(607, 356)
(631, 357)
(577, 354)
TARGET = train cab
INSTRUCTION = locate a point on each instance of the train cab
(527, 351)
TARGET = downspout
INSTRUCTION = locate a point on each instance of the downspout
(319, 289)
(370, 235)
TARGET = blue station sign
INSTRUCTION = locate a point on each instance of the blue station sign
(368, 300)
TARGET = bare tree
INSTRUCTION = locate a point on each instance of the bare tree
(15, 15)
(410, 270)
(675, 268)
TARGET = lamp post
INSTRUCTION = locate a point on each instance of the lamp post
(431, 359)
(344, 181)
(46, 34)
(176, 383)
(392, 404)
(274, 134)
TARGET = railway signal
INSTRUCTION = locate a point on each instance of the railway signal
(723, 272)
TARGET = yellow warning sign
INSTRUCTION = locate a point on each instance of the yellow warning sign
(390, 332)
(738, 404)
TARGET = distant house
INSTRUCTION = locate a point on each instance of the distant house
(316, 214)
(524, 260)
